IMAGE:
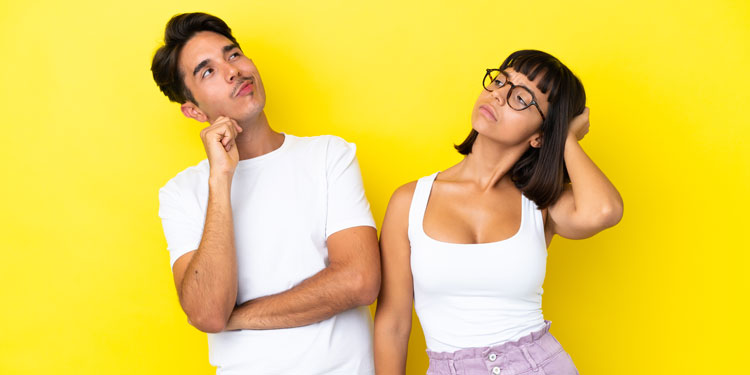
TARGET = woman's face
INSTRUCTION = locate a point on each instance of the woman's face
(493, 118)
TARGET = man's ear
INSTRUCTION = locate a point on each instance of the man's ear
(190, 110)
(536, 140)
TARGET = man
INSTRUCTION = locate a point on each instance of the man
(271, 239)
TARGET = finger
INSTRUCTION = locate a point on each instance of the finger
(219, 124)
(228, 128)
(228, 136)
(239, 128)
(231, 145)
(231, 130)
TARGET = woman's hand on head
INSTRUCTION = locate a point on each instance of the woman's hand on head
(579, 125)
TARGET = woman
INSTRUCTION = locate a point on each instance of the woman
(457, 244)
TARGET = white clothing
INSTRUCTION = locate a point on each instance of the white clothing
(285, 204)
(477, 295)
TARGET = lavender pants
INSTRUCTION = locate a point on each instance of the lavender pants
(537, 353)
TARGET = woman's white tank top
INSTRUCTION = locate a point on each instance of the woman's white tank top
(477, 295)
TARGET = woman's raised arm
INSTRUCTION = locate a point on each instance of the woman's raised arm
(590, 203)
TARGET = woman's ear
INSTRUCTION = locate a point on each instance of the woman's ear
(190, 110)
(536, 140)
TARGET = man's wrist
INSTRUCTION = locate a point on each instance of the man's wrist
(219, 181)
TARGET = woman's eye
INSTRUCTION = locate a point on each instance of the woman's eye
(520, 100)
(207, 72)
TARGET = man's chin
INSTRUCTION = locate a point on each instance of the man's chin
(251, 115)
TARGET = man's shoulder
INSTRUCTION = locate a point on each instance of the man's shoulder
(190, 178)
(321, 141)
(330, 147)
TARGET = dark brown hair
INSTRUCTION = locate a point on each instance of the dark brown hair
(540, 173)
(165, 65)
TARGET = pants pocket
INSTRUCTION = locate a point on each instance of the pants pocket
(560, 364)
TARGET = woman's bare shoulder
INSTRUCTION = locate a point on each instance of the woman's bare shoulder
(402, 196)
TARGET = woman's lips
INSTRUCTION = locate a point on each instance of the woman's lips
(487, 112)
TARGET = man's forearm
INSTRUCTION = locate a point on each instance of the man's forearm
(327, 293)
(209, 287)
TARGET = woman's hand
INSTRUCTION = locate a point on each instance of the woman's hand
(579, 125)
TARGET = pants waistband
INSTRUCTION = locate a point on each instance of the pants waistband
(536, 336)
(514, 357)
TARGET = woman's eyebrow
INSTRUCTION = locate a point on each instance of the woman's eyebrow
(524, 86)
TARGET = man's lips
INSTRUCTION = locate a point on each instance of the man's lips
(488, 112)
(245, 88)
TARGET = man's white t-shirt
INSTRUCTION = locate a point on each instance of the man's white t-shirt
(284, 205)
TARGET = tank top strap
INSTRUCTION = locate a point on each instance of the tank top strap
(535, 221)
(419, 204)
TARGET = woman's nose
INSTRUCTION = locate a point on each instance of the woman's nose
(499, 95)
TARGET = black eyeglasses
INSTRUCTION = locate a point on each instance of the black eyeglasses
(519, 97)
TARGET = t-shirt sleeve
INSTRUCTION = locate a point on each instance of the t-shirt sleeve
(183, 226)
(347, 204)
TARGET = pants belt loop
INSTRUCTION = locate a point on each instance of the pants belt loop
(531, 361)
(452, 367)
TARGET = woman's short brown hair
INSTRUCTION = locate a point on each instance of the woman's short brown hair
(540, 173)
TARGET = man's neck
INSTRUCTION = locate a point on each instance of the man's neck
(257, 138)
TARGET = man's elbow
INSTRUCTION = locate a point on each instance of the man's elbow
(366, 286)
(208, 323)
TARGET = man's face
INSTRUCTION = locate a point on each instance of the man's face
(221, 78)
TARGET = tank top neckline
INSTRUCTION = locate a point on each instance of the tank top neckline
(430, 181)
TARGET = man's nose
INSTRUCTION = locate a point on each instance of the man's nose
(232, 73)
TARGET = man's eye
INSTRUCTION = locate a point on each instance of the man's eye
(206, 72)
(234, 55)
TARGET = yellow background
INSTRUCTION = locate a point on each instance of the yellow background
(87, 140)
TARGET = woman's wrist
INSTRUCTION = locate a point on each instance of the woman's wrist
(571, 138)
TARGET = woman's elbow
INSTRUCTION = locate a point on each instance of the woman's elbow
(610, 214)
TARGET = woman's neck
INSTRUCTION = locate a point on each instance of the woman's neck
(489, 163)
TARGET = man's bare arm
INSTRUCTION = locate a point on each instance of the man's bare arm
(351, 279)
(206, 279)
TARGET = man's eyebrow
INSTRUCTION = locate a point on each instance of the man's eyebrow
(200, 66)
(229, 47)
(224, 49)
